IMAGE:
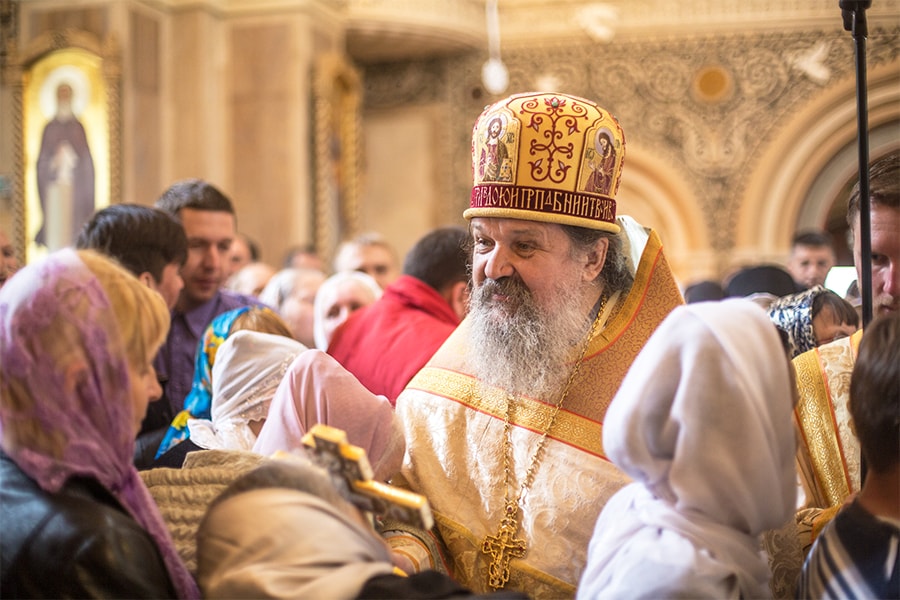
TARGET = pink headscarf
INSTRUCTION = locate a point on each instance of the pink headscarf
(317, 389)
(57, 304)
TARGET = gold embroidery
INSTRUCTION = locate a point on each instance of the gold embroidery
(814, 413)
(570, 428)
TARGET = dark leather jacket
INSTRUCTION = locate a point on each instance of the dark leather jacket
(77, 543)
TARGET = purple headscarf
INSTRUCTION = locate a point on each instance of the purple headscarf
(59, 422)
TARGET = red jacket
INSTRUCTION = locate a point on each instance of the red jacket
(386, 343)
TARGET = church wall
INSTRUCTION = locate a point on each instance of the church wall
(207, 92)
(269, 132)
(735, 137)
(91, 18)
(195, 56)
(402, 167)
(263, 130)
(720, 124)
(802, 185)
(142, 131)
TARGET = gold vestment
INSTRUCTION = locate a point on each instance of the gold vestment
(828, 451)
(455, 445)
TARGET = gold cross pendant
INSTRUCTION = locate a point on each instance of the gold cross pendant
(503, 547)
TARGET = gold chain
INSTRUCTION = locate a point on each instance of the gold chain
(505, 545)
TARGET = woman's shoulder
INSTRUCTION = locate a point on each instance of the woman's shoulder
(79, 537)
(29, 503)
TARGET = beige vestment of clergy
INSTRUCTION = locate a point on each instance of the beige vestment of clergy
(456, 442)
(828, 451)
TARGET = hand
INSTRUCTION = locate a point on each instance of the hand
(402, 562)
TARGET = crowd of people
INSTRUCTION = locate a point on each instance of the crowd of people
(578, 424)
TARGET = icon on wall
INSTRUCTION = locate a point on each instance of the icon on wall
(66, 147)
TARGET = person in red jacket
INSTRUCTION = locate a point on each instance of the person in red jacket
(386, 343)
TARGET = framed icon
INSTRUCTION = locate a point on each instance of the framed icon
(68, 159)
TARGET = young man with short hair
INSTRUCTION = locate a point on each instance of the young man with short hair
(145, 240)
(152, 245)
(812, 257)
(210, 224)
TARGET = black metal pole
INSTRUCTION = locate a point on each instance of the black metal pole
(855, 21)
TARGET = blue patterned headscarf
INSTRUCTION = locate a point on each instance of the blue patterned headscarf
(793, 315)
(199, 399)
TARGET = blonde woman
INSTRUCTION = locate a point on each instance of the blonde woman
(78, 335)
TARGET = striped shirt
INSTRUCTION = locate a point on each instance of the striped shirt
(855, 556)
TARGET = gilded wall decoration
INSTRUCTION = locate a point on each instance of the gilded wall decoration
(707, 105)
(336, 132)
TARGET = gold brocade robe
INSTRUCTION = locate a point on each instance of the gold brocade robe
(828, 451)
(455, 446)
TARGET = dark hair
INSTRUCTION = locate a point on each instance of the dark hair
(760, 279)
(439, 258)
(289, 473)
(252, 246)
(615, 274)
(785, 338)
(884, 186)
(814, 238)
(843, 310)
(874, 390)
(141, 238)
(195, 194)
(703, 291)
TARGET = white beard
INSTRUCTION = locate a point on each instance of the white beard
(519, 347)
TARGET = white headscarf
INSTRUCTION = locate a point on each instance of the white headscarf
(277, 542)
(248, 368)
(703, 423)
(367, 292)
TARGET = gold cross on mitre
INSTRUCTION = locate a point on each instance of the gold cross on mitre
(503, 547)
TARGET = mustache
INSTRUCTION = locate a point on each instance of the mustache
(505, 286)
(886, 301)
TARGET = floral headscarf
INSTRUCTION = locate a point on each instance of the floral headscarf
(199, 399)
(54, 430)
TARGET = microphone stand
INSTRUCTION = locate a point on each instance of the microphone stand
(854, 16)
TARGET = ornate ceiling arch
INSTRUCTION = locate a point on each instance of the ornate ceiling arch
(806, 168)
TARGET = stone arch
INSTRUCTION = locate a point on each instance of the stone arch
(657, 196)
(807, 167)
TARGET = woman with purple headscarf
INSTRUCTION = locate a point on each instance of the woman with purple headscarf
(77, 338)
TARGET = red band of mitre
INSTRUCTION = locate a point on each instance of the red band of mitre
(580, 209)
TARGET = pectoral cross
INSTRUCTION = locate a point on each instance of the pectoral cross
(503, 547)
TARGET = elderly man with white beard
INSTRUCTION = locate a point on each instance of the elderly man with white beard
(504, 423)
